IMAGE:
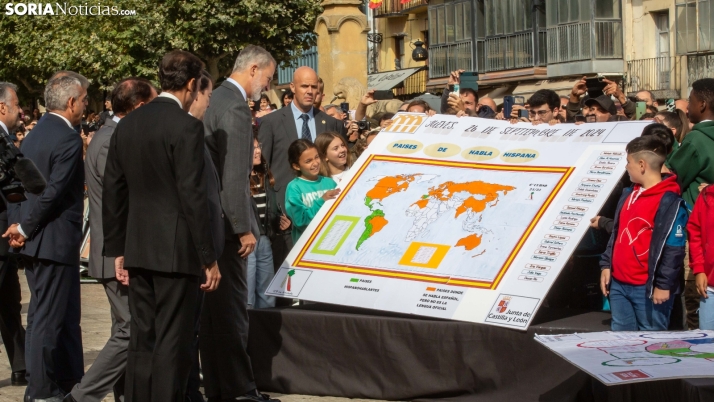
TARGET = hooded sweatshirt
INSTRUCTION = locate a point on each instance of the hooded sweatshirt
(693, 161)
(701, 230)
(630, 256)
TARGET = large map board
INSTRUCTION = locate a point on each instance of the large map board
(624, 357)
(461, 218)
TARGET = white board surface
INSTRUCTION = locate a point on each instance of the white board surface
(461, 218)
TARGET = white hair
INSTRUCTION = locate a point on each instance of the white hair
(4, 93)
(252, 54)
(59, 91)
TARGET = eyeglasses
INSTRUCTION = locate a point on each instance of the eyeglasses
(540, 113)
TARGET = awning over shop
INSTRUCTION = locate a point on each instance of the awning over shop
(389, 79)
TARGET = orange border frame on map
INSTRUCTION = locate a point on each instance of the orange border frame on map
(445, 280)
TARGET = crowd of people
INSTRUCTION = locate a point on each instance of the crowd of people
(197, 194)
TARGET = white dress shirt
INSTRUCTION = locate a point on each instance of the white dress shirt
(4, 127)
(299, 122)
(171, 96)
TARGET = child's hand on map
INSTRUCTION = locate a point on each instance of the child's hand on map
(660, 296)
(331, 194)
(605, 281)
(702, 283)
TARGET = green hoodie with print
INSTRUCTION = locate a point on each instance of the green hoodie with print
(693, 161)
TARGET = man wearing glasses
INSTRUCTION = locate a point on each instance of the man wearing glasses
(544, 107)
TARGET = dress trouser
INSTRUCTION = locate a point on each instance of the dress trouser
(163, 308)
(227, 371)
(107, 371)
(53, 342)
(193, 392)
(11, 329)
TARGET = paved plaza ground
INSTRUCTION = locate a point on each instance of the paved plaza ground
(96, 325)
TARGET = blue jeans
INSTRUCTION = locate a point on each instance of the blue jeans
(260, 273)
(706, 311)
(632, 309)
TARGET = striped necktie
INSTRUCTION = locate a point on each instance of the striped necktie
(305, 128)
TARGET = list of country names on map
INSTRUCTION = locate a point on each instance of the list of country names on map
(572, 215)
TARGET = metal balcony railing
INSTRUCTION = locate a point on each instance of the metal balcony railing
(569, 43)
(650, 74)
(392, 7)
(700, 66)
(579, 41)
(446, 58)
(308, 58)
(509, 52)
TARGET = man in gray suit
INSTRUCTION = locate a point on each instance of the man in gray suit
(279, 129)
(229, 137)
(107, 372)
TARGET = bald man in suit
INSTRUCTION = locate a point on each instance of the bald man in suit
(299, 120)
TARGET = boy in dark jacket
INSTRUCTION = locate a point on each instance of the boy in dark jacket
(642, 263)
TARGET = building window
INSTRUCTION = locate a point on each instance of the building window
(574, 33)
(692, 35)
(450, 37)
(512, 34)
(398, 52)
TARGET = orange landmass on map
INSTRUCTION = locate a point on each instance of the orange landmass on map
(422, 203)
(489, 191)
(389, 185)
(469, 242)
(378, 222)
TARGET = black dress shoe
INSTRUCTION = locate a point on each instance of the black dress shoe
(18, 378)
(256, 396)
(69, 398)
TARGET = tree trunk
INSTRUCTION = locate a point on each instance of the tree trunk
(212, 65)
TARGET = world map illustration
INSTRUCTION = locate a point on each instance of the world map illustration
(408, 217)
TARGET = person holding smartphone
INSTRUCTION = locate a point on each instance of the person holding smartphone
(609, 89)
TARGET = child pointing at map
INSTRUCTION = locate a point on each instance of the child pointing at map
(642, 263)
(306, 193)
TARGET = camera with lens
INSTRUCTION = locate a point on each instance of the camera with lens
(363, 125)
(90, 127)
(17, 174)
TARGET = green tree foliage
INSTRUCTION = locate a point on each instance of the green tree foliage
(108, 48)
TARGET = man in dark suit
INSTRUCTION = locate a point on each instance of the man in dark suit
(224, 323)
(11, 329)
(50, 229)
(198, 110)
(107, 372)
(279, 129)
(155, 214)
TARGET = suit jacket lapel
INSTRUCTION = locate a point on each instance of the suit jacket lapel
(320, 123)
(289, 122)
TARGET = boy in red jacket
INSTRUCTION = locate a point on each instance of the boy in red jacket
(645, 254)
(701, 253)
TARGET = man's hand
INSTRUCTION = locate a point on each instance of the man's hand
(594, 222)
(702, 283)
(605, 281)
(121, 273)
(613, 89)
(213, 277)
(431, 112)
(368, 98)
(247, 244)
(455, 102)
(16, 240)
(353, 132)
(454, 77)
(660, 296)
(578, 90)
(284, 222)
(515, 109)
(386, 123)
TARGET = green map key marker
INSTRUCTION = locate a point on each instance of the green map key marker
(354, 280)
(290, 275)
